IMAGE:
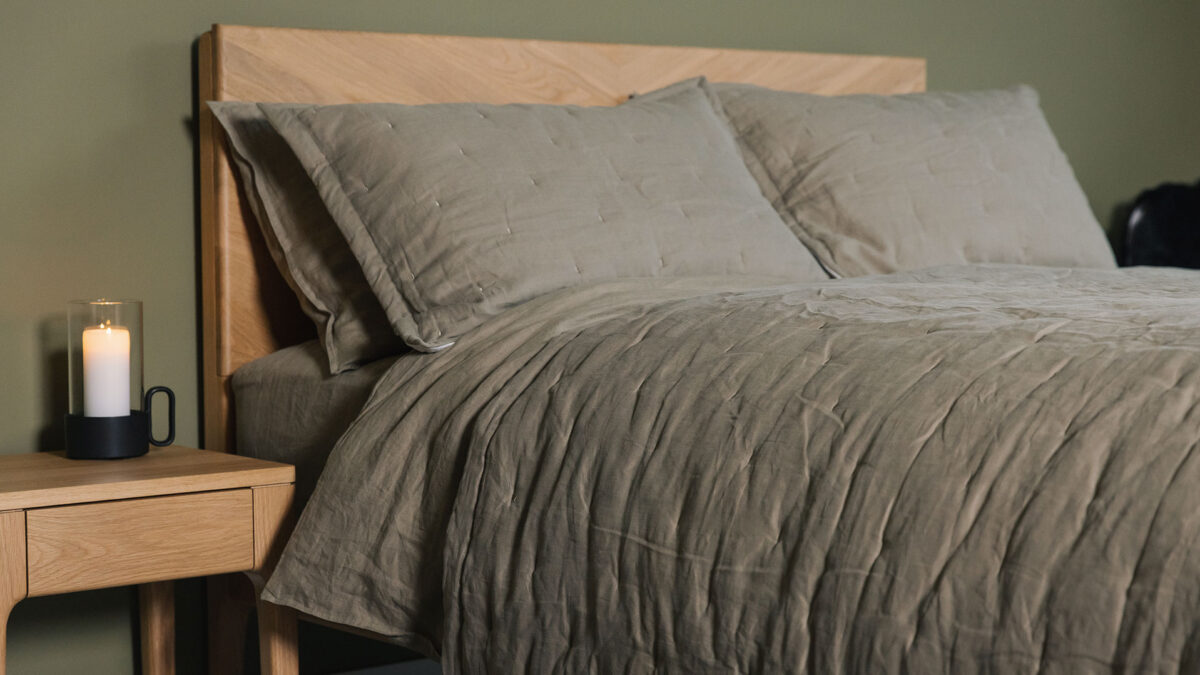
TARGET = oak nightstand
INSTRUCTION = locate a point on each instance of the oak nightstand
(73, 525)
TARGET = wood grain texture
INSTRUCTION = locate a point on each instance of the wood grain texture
(274, 518)
(278, 649)
(86, 546)
(50, 479)
(248, 310)
(156, 609)
(12, 572)
(229, 603)
(318, 66)
(215, 397)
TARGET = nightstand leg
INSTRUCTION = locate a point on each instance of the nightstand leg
(157, 608)
(277, 648)
(276, 625)
(13, 575)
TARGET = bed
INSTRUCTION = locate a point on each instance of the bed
(248, 310)
(973, 467)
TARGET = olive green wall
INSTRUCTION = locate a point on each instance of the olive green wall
(96, 183)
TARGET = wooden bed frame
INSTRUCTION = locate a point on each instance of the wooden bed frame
(248, 310)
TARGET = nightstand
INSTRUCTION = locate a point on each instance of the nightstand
(73, 525)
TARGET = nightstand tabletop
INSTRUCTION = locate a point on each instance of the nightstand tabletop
(50, 479)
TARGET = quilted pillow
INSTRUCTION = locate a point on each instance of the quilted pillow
(458, 211)
(307, 246)
(878, 184)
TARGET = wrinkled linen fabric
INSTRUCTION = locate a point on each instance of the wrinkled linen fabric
(964, 469)
(293, 411)
(306, 245)
(877, 184)
(458, 211)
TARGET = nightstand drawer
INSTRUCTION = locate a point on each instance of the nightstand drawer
(134, 541)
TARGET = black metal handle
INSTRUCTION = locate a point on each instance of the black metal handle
(170, 415)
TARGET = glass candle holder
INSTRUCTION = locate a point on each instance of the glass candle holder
(104, 357)
(109, 413)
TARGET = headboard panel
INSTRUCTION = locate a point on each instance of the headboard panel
(248, 311)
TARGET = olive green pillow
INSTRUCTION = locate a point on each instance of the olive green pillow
(307, 246)
(458, 211)
(878, 184)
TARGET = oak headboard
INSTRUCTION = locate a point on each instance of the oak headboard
(248, 311)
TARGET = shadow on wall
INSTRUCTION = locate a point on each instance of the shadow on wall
(129, 168)
(191, 125)
(52, 352)
(1118, 225)
(39, 628)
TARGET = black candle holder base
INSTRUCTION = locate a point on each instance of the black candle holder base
(108, 437)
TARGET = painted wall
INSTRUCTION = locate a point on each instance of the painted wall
(96, 182)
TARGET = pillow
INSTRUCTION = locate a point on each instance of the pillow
(878, 184)
(307, 246)
(458, 211)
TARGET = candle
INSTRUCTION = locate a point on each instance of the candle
(106, 371)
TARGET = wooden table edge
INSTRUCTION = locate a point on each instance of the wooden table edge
(111, 488)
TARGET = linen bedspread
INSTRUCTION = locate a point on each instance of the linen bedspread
(963, 469)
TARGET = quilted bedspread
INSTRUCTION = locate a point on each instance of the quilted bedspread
(959, 470)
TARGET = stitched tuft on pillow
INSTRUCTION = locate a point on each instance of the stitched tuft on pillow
(458, 211)
(878, 184)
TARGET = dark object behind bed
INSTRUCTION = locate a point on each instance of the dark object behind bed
(1164, 227)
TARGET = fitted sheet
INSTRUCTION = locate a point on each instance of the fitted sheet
(290, 409)
(967, 469)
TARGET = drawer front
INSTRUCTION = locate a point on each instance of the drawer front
(86, 546)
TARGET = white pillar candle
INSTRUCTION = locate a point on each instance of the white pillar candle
(106, 371)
